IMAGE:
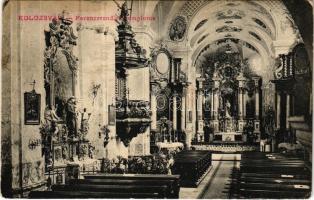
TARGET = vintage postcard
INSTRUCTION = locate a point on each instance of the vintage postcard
(204, 99)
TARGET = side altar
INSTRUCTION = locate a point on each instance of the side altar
(65, 147)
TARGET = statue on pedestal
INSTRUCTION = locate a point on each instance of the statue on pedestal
(124, 12)
(269, 123)
(84, 124)
(228, 109)
(50, 115)
(65, 152)
(83, 151)
(71, 120)
(91, 151)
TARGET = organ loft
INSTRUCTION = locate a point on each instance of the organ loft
(157, 99)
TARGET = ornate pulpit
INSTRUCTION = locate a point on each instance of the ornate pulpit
(132, 116)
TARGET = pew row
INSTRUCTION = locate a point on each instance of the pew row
(192, 166)
(270, 176)
(116, 186)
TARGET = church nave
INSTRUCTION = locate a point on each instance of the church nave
(208, 99)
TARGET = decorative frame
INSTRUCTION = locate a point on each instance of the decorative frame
(177, 29)
(156, 74)
(32, 102)
(156, 62)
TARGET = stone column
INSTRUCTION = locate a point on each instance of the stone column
(278, 110)
(240, 103)
(212, 104)
(241, 123)
(215, 122)
(257, 114)
(256, 80)
(200, 121)
(153, 105)
(189, 127)
(287, 111)
(216, 98)
(174, 111)
(144, 35)
(241, 79)
(183, 108)
(244, 103)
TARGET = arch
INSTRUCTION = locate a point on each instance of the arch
(263, 52)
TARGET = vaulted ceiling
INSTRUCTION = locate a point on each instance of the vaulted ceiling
(256, 28)
(251, 26)
(246, 25)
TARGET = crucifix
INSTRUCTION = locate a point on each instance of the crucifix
(33, 83)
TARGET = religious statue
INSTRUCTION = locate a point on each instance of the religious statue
(71, 120)
(269, 122)
(91, 151)
(124, 12)
(215, 73)
(58, 154)
(228, 109)
(83, 150)
(49, 161)
(84, 123)
(50, 115)
(55, 131)
(64, 133)
(64, 152)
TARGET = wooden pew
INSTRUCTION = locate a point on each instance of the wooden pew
(260, 193)
(274, 187)
(171, 181)
(273, 166)
(116, 186)
(192, 166)
(160, 189)
(172, 189)
(273, 161)
(268, 169)
(132, 176)
(276, 175)
(262, 176)
(274, 180)
(121, 182)
(86, 194)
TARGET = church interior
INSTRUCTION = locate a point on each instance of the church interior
(196, 99)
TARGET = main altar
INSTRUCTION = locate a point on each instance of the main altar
(228, 100)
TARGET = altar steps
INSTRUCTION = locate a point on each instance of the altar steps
(226, 148)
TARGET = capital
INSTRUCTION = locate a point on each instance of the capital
(256, 80)
(200, 82)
